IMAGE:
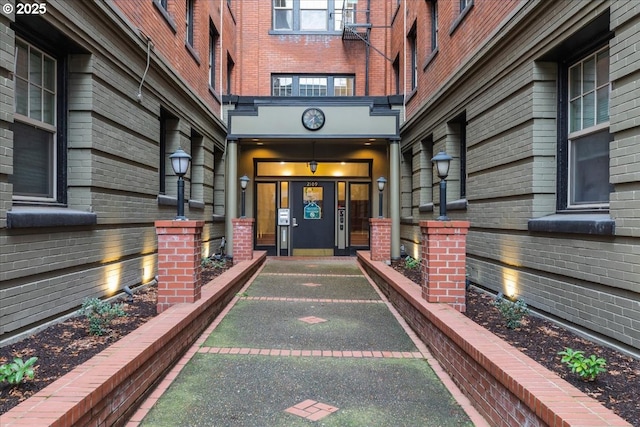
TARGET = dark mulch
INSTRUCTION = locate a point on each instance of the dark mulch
(63, 346)
(541, 339)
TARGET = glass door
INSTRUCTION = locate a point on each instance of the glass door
(359, 214)
(266, 217)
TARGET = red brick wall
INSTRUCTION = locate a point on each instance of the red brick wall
(144, 15)
(503, 384)
(444, 248)
(380, 239)
(261, 53)
(453, 49)
(242, 239)
(107, 390)
(179, 262)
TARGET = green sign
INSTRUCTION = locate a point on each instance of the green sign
(312, 211)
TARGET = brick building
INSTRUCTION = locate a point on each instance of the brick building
(314, 101)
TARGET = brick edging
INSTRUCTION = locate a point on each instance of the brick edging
(504, 385)
(108, 388)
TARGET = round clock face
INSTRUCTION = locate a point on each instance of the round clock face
(313, 118)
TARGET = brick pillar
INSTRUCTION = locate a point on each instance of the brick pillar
(444, 246)
(179, 263)
(380, 239)
(242, 239)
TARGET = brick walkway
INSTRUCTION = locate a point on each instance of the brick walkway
(265, 302)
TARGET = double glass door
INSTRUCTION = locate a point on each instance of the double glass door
(312, 218)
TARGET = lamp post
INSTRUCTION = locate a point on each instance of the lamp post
(180, 163)
(244, 180)
(313, 166)
(381, 182)
(442, 161)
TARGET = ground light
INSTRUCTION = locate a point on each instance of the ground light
(442, 161)
(180, 163)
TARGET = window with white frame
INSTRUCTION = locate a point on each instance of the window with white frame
(308, 85)
(588, 131)
(35, 157)
(311, 15)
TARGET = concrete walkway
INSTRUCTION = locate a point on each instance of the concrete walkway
(308, 342)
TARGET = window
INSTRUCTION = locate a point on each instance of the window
(36, 159)
(230, 66)
(163, 3)
(303, 85)
(588, 130)
(433, 8)
(456, 146)
(396, 74)
(190, 21)
(213, 42)
(413, 52)
(464, 4)
(310, 15)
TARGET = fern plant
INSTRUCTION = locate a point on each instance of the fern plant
(17, 371)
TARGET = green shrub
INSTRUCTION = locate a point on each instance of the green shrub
(587, 367)
(512, 312)
(100, 314)
(17, 371)
(411, 263)
(213, 263)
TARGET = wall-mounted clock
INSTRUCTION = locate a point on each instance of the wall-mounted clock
(313, 118)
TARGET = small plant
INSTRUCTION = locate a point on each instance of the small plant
(213, 263)
(512, 312)
(587, 367)
(101, 314)
(17, 371)
(411, 263)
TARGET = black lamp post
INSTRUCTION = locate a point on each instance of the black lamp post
(442, 161)
(381, 182)
(244, 180)
(180, 163)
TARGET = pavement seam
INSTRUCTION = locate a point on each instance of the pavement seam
(287, 299)
(346, 354)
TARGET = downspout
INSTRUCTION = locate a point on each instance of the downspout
(367, 52)
(404, 66)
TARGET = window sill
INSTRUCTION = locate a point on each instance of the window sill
(304, 33)
(193, 53)
(196, 204)
(430, 58)
(219, 218)
(168, 19)
(594, 224)
(30, 217)
(215, 94)
(460, 18)
(454, 205)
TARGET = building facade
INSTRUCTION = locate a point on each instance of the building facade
(313, 101)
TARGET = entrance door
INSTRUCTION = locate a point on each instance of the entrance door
(313, 218)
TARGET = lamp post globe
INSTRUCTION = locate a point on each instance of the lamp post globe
(244, 180)
(442, 161)
(180, 164)
(381, 183)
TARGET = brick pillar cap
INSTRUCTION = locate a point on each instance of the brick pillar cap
(234, 220)
(380, 220)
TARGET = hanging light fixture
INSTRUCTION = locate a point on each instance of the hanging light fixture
(313, 165)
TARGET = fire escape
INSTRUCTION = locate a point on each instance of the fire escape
(355, 23)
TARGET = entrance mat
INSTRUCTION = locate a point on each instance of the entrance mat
(275, 324)
(312, 266)
(302, 286)
(234, 390)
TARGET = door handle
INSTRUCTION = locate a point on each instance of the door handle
(294, 222)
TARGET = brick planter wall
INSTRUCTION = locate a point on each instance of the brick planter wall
(444, 247)
(179, 262)
(380, 239)
(507, 387)
(108, 388)
(242, 239)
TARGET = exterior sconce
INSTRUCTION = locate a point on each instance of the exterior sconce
(442, 161)
(180, 163)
